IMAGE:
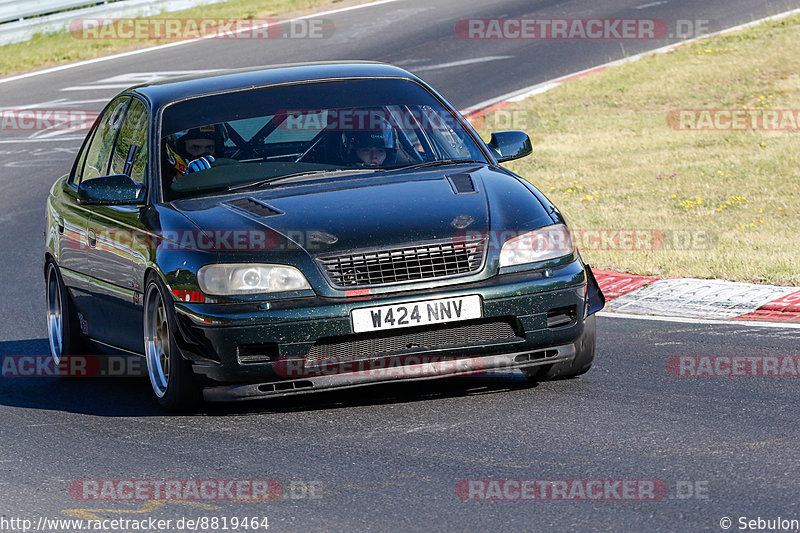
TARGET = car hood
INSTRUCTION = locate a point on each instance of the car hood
(376, 210)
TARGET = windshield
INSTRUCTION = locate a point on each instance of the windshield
(258, 136)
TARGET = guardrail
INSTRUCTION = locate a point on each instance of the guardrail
(11, 10)
(20, 21)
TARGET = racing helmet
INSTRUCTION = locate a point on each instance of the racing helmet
(176, 152)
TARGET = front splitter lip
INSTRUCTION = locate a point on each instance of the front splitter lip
(467, 366)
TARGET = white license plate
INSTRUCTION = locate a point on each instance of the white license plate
(416, 313)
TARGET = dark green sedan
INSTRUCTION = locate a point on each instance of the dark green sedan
(285, 230)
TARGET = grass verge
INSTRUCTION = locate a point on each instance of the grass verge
(47, 50)
(605, 154)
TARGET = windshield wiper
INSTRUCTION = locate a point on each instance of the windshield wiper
(440, 163)
(292, 177)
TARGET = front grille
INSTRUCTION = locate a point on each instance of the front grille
(451, 336)
(398, 265)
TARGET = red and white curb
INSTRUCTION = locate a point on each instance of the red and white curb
(786, 309)
(713, 299)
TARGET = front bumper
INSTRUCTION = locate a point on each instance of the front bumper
(432, 369)
(244, 347)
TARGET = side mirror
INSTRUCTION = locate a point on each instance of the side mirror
(509, 145)
(118, 189)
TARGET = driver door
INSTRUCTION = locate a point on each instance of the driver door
(118, 254)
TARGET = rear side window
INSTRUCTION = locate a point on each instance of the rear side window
(99, 153)
(130, 152)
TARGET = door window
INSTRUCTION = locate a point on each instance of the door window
(130, 152)
(99, 152)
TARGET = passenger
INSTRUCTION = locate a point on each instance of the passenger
(373, 148)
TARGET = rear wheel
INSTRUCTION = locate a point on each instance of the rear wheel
(570, 369)
(62, 327)
(170, 374)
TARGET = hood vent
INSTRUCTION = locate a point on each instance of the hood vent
(462, 183)
(254, 207)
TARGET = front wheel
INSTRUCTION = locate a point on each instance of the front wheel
(170, 374)
(62, 330)
(584, 357)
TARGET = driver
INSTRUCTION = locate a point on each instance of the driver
(373, 148)
(198, 146)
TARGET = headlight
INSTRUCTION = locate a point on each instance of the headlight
(247, 278)
(550, 242)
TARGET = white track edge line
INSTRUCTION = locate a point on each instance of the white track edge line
(545, 86)
(170, 45)
(690, 320)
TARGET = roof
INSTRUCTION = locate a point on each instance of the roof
(165, 91)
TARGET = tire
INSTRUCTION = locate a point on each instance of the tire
(580, 365)
(171, 376)
(62, 320)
